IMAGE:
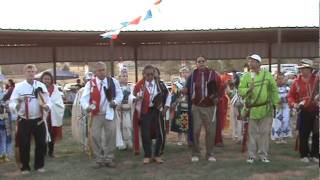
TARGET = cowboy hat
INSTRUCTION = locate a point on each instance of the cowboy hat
(306, 63)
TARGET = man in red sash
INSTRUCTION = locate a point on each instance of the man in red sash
(204, 88)
(302, 96)
(100, 96)
(152, 101)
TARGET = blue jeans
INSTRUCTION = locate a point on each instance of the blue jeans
(5, 143)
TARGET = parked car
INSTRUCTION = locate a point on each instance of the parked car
(69, 86)
(283, 68)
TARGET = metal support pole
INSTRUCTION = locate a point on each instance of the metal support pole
(270, 55)
(112, 58)
(135, 51)
(279, 38)
(54, 60)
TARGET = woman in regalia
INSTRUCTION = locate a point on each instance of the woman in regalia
(125, 113)
(55, 116)
(281, 128)
(179, 106)
(5, 127)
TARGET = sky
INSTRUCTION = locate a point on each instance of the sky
(100, 15)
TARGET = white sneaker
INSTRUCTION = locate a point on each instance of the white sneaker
(283, 141)
(250, 160)
(179, 143)
(195, 159)
(122, 147)
(305, 160)
(278, 142)
(212, 159)
(265, 160)
(41, 170)
(314, 159)
(24, 172)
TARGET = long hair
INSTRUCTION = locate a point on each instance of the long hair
(11, 82)
(47, 74)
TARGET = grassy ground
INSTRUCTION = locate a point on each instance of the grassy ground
(72, 163)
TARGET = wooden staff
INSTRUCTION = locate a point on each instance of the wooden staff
(246, 118)
(44, 114)
(245, 136)
(90, 151)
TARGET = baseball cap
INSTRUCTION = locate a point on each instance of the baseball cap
(255, 57)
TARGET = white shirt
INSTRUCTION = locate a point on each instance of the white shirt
(153, 91)
(57, 107)
(23, 89)
(104, 103)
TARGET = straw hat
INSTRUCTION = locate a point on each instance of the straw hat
(306, 63)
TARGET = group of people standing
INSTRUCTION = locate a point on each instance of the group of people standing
(39, 108)
(124, 116)
(250, 103)
(109, 113)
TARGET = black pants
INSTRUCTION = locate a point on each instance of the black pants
(26, 129)
(306, 126)
(149, 120)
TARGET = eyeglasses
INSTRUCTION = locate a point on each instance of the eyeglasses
(201, 61)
